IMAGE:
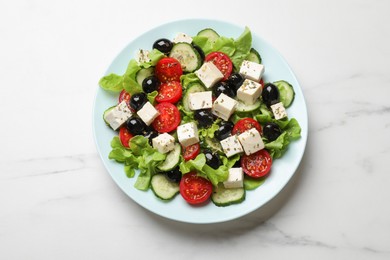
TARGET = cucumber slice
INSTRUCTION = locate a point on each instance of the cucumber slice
(223, 197)
(254, 56)
(143, 74)
(210, 34)
(163, 188)
(286, 92)
(192, 88)
(105, 112)
(172, 159)
(242, 107)
(187, 55)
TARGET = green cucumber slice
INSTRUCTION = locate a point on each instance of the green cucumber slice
(187, 55)
(254, 56)
(223, 197)
(172, 159)
(163, 188)
(242, 107)
(143, 74)
(286, 92)
(210, 34)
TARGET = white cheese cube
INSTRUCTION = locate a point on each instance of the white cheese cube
(200, 100)
(224, 106)
(164, 143)
(148, 113)
(118, 115)
(235, 179)
(142, 56)
(209, 74)
(251, 141)
(249, 91)
(231, 146)
(279, 111)
(252, 70)
(187, 134)
(182, 37)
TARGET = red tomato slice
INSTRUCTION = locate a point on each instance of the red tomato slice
(169, 118)
(168, 69)
(195, 189)
(125, 96)
(257, 164)
(245, 124)
(169, 92)
(125, 136)
(222, 62)
(190, 152)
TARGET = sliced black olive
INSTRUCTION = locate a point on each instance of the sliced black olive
(135, 125)
(270, 94)
(137, 101)
(271, 131)
(204, 117)
(149, 133)
(235, 80)
(224, 130)
(163, 45)
(174, 175)
(150, 84)
(212, 159)
(199, 50)
(223, 87)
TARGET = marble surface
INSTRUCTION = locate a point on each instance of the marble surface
(58, 202)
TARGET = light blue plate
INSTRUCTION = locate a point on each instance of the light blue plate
(283, 169)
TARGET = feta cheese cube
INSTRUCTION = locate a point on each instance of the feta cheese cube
(279, 111)
(187, 134)
(164, 143)
(182, 37)
(142, 56)
(249, 91)
(235, 179)
(118, 115)
(251, 141)
(148, 113)
(252, 70)
(224, 106)
(209, 74)
(200, 100)
(231, 146)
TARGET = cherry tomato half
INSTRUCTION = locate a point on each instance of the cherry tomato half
(195, 189)
(190, 152)
(125, 136)
(169, 92)
(222, 62)
(245, 124)
(257, 164)
(168, 69)
(169, 118)
(124, 96)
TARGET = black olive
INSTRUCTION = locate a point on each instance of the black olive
(150, 84)
(137, 101)
(212, 159)
(235, 80)
(270, 94)
(223, 87)
(135, 125)
(149, 133)
(204, 117)
(174, 175)
(199, 50)
(271, 131)
(224, 130)
(163, 45)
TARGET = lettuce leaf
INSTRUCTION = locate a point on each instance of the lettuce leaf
(213, 175)
(243, 46)
(140, 156)
(111, 82)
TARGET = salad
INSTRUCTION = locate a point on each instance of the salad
(196, 117)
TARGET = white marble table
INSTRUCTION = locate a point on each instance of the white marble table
(57, 201)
